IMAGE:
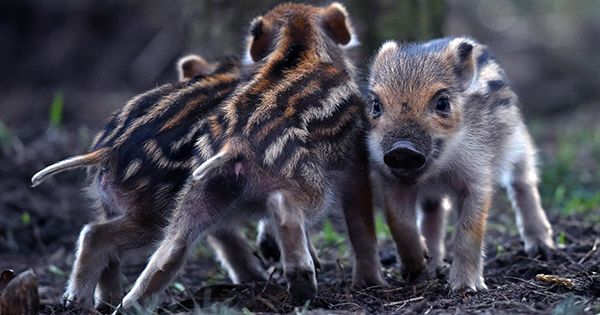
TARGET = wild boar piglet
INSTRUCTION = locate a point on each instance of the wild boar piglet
(291, 140)
(446, 127)
(136, 166)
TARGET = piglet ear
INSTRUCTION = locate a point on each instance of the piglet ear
(461, 55)
(193, 65)
(260, 40)
(336, 23)
(388, 48)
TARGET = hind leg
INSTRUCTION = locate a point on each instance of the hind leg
(289, 221)
(202, 208)
(236, 256)
(97, 250)
(161, 269)
(533, 225)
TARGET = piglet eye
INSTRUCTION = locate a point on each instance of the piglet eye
(443, 104)
(375, 106)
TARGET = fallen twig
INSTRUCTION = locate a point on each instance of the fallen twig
(333, 306)
(267, 303)
(189, 293)
(404, 302)
(594, 248)
(527, 282)
(268, 281)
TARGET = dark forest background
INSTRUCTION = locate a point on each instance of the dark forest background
(66, 65)
(100, 53)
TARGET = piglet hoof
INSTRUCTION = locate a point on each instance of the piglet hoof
(302, 285)
(463, 293)
(543, 249)
(105, 308)
(461, 282)
(466, 291)
(118, 310)
(72, 302)
(412, 274)
(437, 270)
(413, 271)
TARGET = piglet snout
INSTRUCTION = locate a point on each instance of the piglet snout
(403, 156)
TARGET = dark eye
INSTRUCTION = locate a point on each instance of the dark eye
(443, 104)
(375, 106)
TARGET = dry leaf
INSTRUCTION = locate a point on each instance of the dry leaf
(552, 279)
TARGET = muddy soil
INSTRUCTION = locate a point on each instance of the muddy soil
(38, 229)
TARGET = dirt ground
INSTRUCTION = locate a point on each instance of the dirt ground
(38, 229)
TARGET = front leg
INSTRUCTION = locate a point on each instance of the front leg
(359, 214)
(288, 215)
(466, 271)
(400, 212)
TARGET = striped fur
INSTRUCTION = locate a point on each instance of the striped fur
(298, 108)
(138, 164)
(154, 134)
(290, 139)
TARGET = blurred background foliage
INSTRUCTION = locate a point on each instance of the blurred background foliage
(101, 52)
(68, 64)
(549, 48)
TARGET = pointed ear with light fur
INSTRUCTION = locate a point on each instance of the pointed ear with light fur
(460, 52)
(259, 41)
(336, 23)
(193, 65)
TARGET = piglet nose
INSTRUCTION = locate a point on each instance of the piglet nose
(404, 157)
